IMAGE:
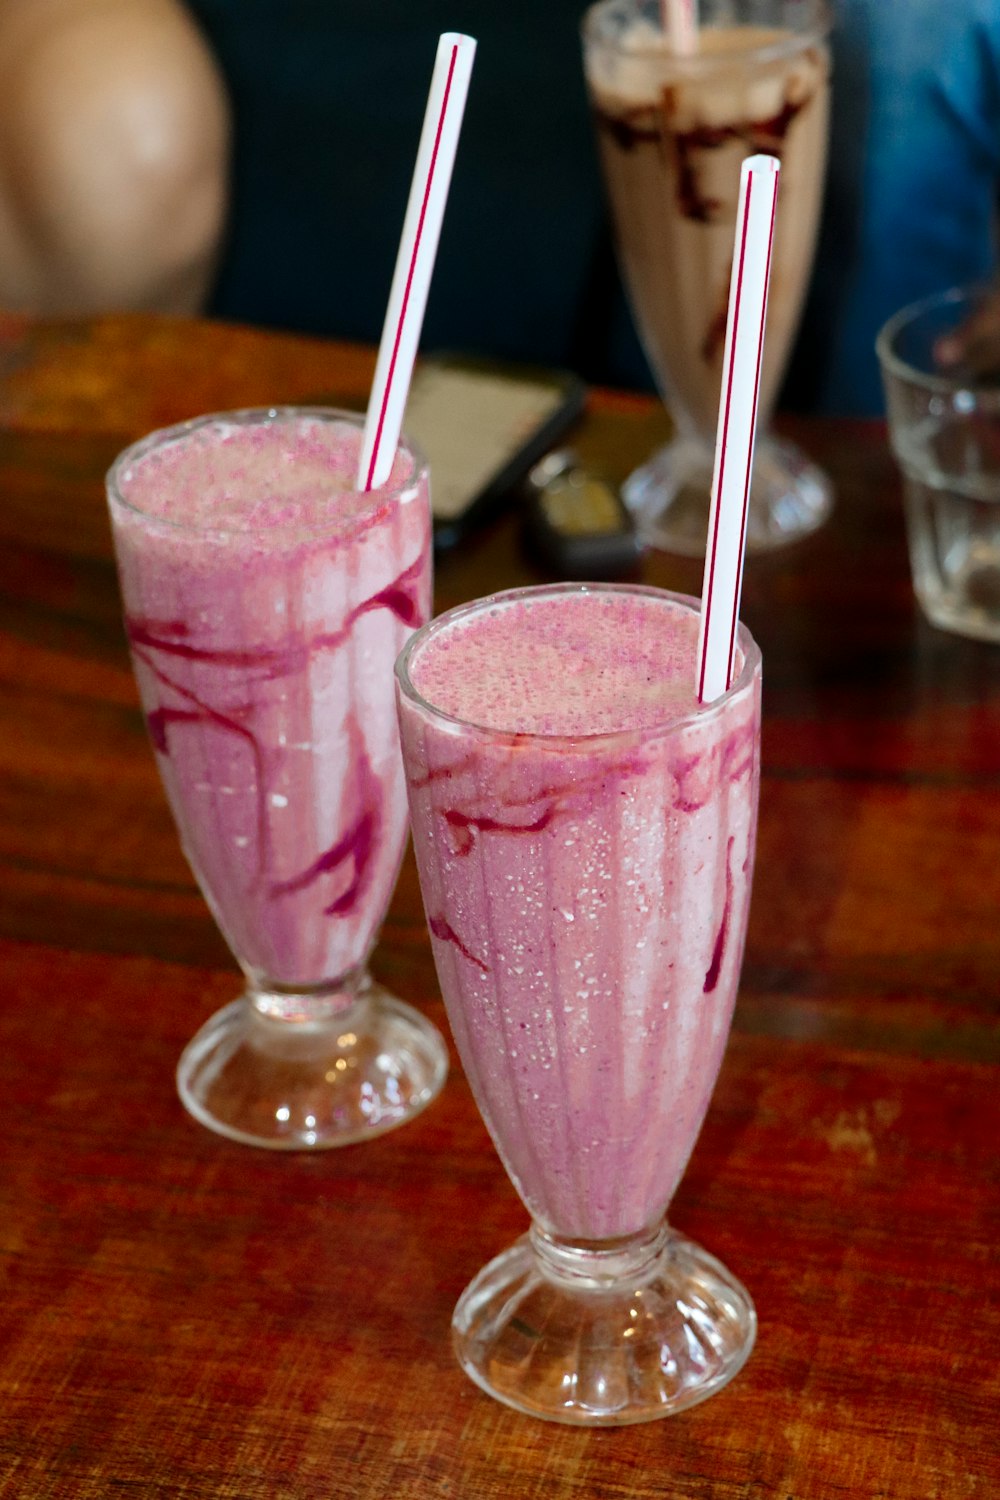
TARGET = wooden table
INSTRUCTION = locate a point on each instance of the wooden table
(180, 1316)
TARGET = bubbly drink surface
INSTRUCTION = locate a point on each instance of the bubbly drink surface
(585, 838)
(265, 601)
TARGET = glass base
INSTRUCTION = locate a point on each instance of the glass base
(669, 496)
(951, 611)
(310, 1077)
(955, 557)
(603, 1335)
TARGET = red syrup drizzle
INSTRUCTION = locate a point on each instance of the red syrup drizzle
(168, 636)
(442, 773)
(159, 718)
(442, 928)
(736, 761)
(465, 826)
(358, 844)
(554, 799)
(715, 967)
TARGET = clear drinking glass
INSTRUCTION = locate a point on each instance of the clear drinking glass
(672, 132)
(587, 899)
(265, 601)
(944, 425)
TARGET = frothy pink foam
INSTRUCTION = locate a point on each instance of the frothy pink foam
(586, 664)
(249, 477)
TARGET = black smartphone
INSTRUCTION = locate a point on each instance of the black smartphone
(482, 426)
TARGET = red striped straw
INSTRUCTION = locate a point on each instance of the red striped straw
(415, 260)
(680, 22)
(727, 520)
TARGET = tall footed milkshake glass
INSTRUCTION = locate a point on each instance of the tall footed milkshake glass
(265, 601)
(584, 833)
(672, 131)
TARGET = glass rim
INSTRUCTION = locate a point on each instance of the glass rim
(894, 364)
(817, 30)
(603, 738)
(246, 416)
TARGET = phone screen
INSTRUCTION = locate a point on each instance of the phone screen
(482, 427)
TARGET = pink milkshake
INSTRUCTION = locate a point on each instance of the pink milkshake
(584, 833)
(265, 600)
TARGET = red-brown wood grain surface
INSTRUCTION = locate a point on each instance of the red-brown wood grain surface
(181, 1316)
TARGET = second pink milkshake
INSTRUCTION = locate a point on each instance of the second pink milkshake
(586, 845)
(584, 832)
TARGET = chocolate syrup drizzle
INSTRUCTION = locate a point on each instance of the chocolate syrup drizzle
(627, 132)
(643, 125)
(152, 639)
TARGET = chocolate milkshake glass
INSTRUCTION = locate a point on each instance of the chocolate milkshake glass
(265, 601)
(672, 132)
(584, 833)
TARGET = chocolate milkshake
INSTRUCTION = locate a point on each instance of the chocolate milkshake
(672, 133)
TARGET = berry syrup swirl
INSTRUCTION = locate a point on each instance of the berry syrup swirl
(697, 779)
(158, 643)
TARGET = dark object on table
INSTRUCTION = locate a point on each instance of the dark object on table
(575, 522)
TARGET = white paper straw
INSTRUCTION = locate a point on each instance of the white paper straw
(680, 22)
(727, 521)
(415, 260)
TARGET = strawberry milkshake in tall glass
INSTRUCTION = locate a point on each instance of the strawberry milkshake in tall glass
(584, 832)
(265, 601)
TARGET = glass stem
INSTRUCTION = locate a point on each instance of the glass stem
(600, 1265)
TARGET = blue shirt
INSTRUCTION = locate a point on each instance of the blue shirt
(912, 189)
